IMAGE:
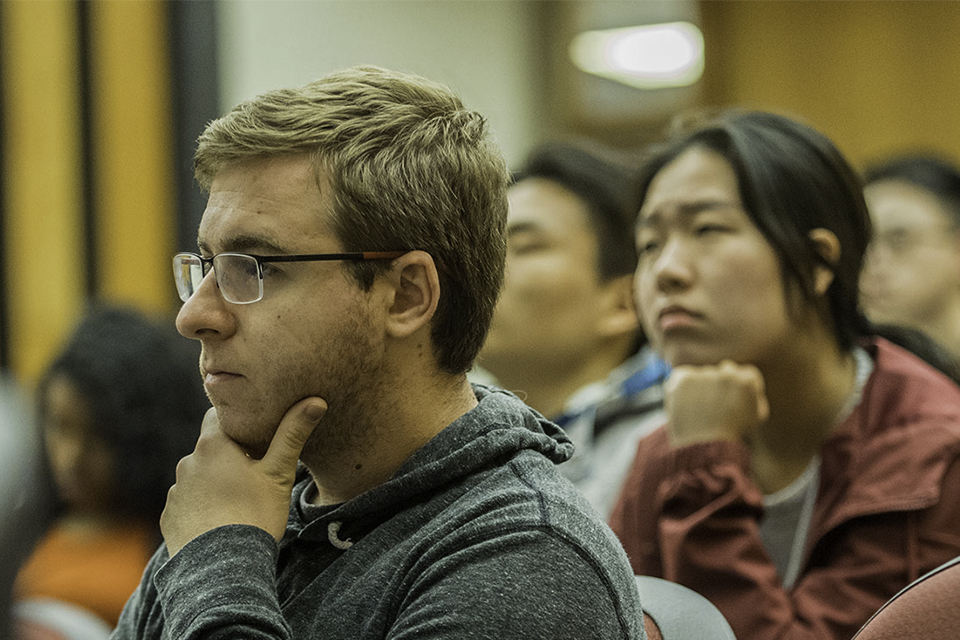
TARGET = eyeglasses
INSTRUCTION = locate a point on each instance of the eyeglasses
(239, 276)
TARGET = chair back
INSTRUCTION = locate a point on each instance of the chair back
(680, 613)
(928, 608)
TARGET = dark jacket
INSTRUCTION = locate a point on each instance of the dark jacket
(476, 536)
(887, 511)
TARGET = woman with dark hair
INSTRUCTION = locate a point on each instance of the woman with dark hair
(808, 470)
(912, 271)
(25, 492)
(117, 408)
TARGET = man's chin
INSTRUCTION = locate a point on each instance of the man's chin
(242, 430)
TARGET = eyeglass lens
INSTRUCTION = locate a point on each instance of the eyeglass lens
(187, 272)
(237, 275)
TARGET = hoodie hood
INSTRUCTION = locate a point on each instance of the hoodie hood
(499, 428)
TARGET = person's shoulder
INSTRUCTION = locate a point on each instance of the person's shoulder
(905, 388)
(904, 434)
(528, 492)
(896, 360)
(540, 510)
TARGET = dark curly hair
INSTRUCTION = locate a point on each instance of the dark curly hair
(143, 388)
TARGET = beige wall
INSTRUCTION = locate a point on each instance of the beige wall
(481, 48)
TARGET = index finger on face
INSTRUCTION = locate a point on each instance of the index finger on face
(294, 430)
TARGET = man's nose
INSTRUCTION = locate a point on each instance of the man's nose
(206, 313)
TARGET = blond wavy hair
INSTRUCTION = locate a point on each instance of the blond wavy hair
(410, 167)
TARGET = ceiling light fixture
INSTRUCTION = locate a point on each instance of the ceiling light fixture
(647, 57)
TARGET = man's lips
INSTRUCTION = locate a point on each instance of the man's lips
(213, 375)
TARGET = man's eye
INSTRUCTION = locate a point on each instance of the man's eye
(646, 246)
(898, 241)
(268, 269)
(249, 268)
(526, 246)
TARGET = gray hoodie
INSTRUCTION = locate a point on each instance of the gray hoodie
(476, 536)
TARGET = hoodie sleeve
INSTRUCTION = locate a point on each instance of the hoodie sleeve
(221, 585)
(523, 584)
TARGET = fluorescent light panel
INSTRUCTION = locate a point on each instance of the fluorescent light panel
(647, 57)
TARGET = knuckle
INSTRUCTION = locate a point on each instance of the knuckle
(183, 467)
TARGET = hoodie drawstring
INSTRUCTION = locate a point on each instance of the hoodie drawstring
(332, 530)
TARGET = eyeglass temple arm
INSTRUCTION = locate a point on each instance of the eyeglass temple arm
(353, 255)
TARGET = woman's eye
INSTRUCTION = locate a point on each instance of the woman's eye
(707, 228)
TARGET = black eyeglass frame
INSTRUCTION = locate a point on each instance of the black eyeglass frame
(206, 264)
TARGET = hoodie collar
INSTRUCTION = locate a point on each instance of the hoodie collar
(499, 427)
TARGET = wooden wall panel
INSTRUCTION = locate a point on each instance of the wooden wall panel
(43, 209)
(876, 76)
(89, 191)
(132, 152)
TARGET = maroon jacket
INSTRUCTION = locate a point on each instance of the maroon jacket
(887, 511)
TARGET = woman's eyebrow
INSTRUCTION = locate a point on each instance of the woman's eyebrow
(685, 210)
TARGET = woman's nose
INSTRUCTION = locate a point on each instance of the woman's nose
(673, 268)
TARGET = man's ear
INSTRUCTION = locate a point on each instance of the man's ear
(828, 246)
(619, 314)
(415, 293)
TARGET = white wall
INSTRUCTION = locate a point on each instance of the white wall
(484, 49)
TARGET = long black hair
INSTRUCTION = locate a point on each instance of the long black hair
(792, 180)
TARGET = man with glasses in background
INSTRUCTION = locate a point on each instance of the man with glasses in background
(350, 258)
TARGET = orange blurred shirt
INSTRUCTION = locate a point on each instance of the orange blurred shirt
(95, 570)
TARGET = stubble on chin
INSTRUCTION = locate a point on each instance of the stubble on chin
(251, 435)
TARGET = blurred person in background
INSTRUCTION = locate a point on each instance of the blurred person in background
(118, 407)
(26, 492)
(808, 470)
(912, 271)
(565, 334)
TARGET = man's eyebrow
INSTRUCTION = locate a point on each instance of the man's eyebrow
(685, 210)
(246, 243)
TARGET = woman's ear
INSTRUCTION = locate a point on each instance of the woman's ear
(415, 294)
(827, 245)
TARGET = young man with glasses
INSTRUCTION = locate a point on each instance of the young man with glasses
(350, 258)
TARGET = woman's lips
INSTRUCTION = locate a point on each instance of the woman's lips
(675, 317)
